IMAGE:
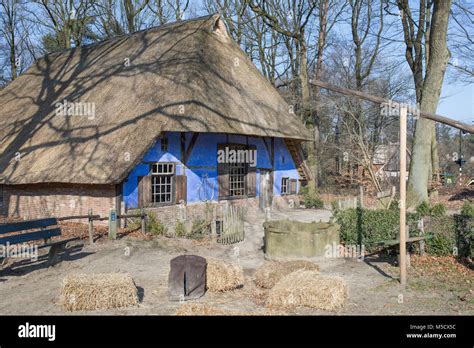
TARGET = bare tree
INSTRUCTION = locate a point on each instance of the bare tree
(67, 20)
(15, 36)
(426, 46)
(461, 41)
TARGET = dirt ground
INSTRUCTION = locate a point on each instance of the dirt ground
(435, 285)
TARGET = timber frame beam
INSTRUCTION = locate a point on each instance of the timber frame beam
(437, 118)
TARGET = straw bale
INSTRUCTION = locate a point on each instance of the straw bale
(200, 309)
(271, 272)
(98, 291)
(223, 275)
(308, 289)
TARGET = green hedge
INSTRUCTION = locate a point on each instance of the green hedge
(444, 233)
(369, 227)
(441, 235)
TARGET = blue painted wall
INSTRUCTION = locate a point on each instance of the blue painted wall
(201, 170)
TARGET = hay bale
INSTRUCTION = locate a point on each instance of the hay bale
(309, 289)
(271, 272)
(200, 309)
(223, 275)
(98, 291)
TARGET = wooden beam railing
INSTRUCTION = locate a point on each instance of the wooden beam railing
(361, 95)
(112, 227)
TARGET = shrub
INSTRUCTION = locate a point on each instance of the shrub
(467, 209)
(441, 236)
(394, 206)
(179, 229)
(310, 199)
(423, 209)
(444, 233)
(304, 190)
(199, 229)
(369, 227)
(465, 230)
(438, 210)
(313, 202)
(440, 245)
(154, 225)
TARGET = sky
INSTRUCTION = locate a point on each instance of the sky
(457, 101)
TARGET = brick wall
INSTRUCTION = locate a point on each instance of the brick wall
(43, 200)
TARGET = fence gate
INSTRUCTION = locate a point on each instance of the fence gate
(232, 226)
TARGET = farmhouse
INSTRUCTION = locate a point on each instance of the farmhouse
(137, 122)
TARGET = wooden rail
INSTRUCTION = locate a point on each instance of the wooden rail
(112, 225)
(438, 118)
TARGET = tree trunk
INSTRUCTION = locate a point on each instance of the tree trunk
(420, 166)
(323, 9)
(306, 109)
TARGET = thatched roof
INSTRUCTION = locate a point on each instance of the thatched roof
(186, 76)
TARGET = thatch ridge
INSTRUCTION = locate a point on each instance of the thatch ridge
(181, 77)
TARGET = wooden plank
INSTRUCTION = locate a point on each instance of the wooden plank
(146, 191)
(140, 191)
(190, 148)
(181, 188)
(27, 237)
(62, 241)
(113, 224)
(76, 217)
(91, 227)
(394, 242)
(437, 118)
(252, 182)
(383, 194)
(143, 221)
(222, 177)
(27, 225)
(182, 140)
(272, 149)
(269, 152)
(422, 243)
(252, 176)
(403, 188)
(293, 185)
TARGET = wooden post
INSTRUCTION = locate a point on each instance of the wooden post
(407, 253)
(143, 220)
(421, 225)
(91, 227)
(403, 153)
(361, 196)
(113, 224)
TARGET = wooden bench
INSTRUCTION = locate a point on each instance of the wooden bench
(395, 242)
(34, 230)
(388, 244)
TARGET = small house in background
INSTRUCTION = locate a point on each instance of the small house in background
(138, 122)
(386, 161)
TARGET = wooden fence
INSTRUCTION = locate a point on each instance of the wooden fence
(232, 227)
(113, 218)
